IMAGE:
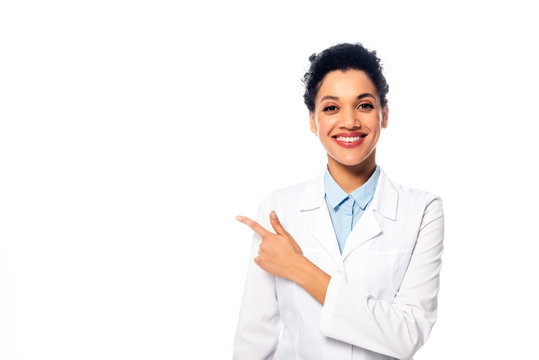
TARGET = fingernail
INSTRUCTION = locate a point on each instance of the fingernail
(273, 215)
(239, 218)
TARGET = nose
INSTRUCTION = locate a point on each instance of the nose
(350, 119)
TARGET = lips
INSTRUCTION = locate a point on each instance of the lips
(349, 144)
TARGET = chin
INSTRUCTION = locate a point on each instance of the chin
(352, 164)
(349, 162)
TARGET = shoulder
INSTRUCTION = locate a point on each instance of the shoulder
(405, 190)
(415, 194)
(408, 209)
(290, 193)
(421, 200)
(285, 201)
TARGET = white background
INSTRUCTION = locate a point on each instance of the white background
(133, 132)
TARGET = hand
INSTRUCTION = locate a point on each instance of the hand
(278, 253)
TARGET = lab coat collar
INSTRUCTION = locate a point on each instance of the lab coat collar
(363, 195)
(313, 204)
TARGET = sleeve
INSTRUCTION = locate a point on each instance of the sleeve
(259, 325)
(400, 328)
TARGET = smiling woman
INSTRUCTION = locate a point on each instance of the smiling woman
(351, 269)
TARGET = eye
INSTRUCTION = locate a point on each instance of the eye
(366, 106)
(330, 108)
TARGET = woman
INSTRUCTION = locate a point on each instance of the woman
(346, 265)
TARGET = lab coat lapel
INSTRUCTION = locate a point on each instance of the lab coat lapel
(313, 205)
(318, 221)
(366, 228)
(370, 224)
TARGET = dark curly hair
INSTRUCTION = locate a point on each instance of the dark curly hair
(343, 57)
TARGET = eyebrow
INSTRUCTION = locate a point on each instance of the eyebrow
(359, 97)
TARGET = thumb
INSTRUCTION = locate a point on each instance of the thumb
(276, 224)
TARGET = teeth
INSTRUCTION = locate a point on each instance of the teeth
(348, 139)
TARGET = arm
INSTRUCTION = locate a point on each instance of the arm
(259, 324)
(400, 328)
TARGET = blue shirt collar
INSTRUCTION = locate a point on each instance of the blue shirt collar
(363, 195)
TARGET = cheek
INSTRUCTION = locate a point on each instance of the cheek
(374, 123)
(324, 123)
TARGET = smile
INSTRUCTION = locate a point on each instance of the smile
(349, 141)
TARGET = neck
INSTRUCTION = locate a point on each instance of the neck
(350, 178)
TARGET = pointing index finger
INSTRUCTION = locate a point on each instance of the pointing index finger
(256, 227)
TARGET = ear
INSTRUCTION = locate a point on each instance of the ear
(312, 122)
(385, 116)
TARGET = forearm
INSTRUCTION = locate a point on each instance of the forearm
(311, 278)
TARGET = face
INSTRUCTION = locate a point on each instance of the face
(348, 117)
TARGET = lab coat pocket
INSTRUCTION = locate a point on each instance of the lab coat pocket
(378, 273)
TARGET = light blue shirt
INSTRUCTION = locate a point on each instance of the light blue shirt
(346, 209)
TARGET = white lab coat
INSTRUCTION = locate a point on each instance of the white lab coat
(381, 301)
